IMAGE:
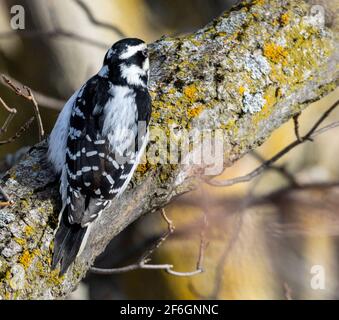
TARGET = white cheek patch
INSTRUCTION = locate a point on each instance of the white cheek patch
(132, 50)
(133, 74)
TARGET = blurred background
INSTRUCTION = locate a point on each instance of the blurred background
(265, 238)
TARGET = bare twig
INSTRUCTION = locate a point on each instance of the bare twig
(17, 135)
(296, 126)
(28, 95)
(280, 169)
(12, 113)
(143, 262)
(37, 113)
(313, 132)
(325, 129)
(203, 243)
(8, 109)
(42, 99)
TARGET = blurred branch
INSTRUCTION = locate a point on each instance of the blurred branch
(312, 133)
(50, 34)
(19, 133)
(288, 291)
(42, 99)
(280, 169)
(143, 262)
(28, 95)
(91, 18)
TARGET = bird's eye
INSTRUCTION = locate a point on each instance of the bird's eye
(145, 53)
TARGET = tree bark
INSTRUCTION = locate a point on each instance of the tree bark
(246, 73)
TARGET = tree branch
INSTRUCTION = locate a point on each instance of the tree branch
(245, 74)
(268, 164)
(143, 262)
(28, 95)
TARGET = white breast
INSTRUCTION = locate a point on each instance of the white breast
(121, 114)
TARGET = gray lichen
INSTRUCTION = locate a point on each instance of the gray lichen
(11, 249)
(257, 65)
(6, 218)
(253, 103)
(231, 23)
(17, 281)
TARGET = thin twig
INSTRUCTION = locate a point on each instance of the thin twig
(325, 129)
(280, 169)
(170, 230)
(28, 95)
(203, 243)
(296, 126)
(8, 109)
(142, 264)
(37, 113)
(313, 132)
(12, 113)
(22, 129)
(42, 99)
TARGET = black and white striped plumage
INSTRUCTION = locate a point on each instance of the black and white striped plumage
(97, 142)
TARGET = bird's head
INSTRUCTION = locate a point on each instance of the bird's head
(127, 61)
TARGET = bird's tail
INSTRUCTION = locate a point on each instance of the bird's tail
(67, 242)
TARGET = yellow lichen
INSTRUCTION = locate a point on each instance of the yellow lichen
(172, 91)
(8, 275)
(28, 231)
(265, 112)
(155, 115)
(191, 92)
(276, 53)
(194, 112)
(24, 204)
(36, 252)
(25, 259)
(285, 18)
(55, 278)
(241, 90)
(21, 242)
(259, 2)
(230, 126)
(142, 168)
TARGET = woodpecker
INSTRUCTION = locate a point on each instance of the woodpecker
(97, 142)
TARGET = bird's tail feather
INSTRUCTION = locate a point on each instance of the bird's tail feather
(67, 242)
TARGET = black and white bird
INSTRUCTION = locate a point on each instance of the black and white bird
(97, 143)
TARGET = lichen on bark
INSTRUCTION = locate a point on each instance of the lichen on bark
(246, 73)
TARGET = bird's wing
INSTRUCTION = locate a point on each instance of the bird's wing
(95, 172)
